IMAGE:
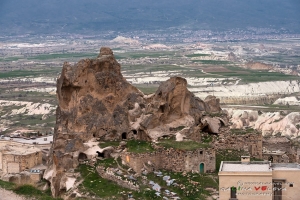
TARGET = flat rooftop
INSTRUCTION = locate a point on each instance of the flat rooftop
(256, 166)
(285, 166)
(237, 166)
(19, 150)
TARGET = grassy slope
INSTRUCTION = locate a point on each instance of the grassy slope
(94, 185)
(28, 191)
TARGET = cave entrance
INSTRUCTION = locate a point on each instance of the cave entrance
(100, 155)
(134, 132)
(162, 108)
(206, 129)
(82, 156)
(222, 123)
(124, 136)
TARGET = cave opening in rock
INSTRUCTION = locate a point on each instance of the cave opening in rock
(222, 123)
(124, 136)
(161, 108)
(101, 155)
(82, 156)
(134, 132)
(206, 129)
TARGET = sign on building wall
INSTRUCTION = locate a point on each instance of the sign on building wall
(254, 188)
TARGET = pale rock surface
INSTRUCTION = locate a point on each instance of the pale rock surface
(179, 137)
(242, 118)
(269, 123)
(213, 124)
(273, 123)
(28, 108)
(70, 183)
(287, 101)
(125, 40)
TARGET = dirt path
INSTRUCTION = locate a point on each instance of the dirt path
(9, 195)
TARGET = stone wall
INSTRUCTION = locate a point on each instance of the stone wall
(172, 159)
(297, 156)
(277, 158)
(252, 100)
(277, 143)
(23, 178)
(108, 174)
(13, 167)
(282, 144)
(251, 142)
(12, 163)
(20, 179)
(35, 177)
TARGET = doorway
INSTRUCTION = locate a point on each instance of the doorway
(277, 188)
(124, 136)
(233, 192)
(202, 168)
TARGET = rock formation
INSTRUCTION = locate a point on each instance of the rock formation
(258, 66)
(287, 101)
(97, 103)
(269, 123)
(232, 57)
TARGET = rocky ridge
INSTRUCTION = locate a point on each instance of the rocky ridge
(258, 66)
(269, 123)
(97, 103)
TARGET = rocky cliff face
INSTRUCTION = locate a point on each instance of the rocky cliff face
(97, 103)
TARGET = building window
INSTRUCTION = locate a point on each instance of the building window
(291, 185)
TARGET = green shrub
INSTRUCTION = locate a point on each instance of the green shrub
(183, 145)
(139, 146)
(7, 185)
(31, 191)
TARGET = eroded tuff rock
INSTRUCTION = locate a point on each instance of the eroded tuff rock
(269, 123)
(97, 103)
